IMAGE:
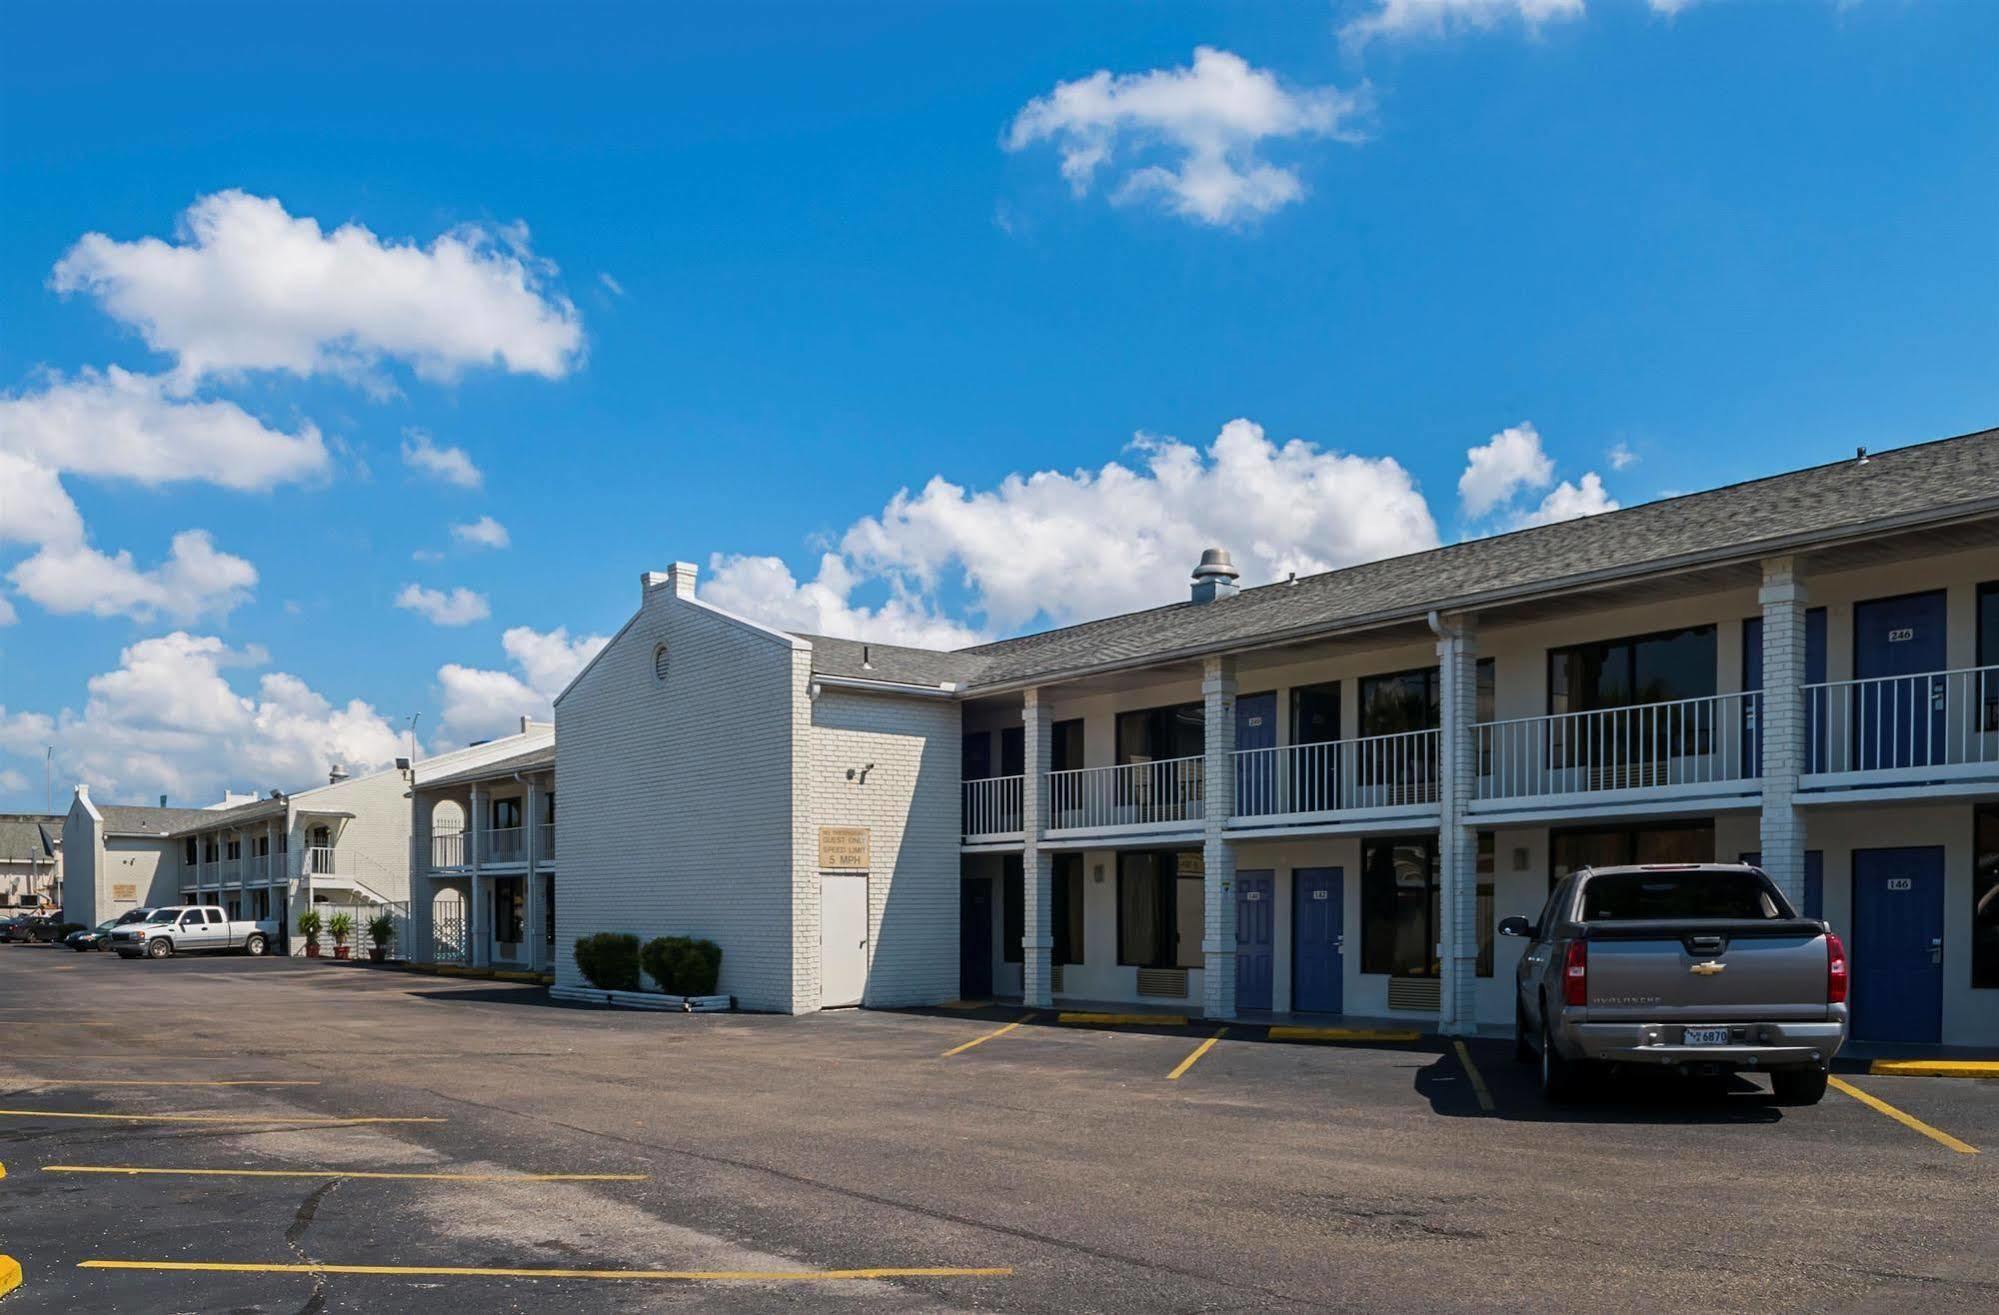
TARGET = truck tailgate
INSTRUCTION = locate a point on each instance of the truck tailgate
(1720, 971)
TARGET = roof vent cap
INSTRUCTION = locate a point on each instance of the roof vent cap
(1215, 577)
(337, 775)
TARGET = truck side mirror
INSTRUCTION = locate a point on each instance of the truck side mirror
(1516, 926)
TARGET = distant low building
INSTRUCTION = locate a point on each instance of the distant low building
(30, 860)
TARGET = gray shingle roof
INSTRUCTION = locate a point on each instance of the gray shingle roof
(533, 760)
(28, 835)
(1929, 480)
(129, 820)
(889, 663)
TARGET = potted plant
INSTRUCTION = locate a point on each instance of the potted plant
(309, 923)
(340, 926)
(381, 935)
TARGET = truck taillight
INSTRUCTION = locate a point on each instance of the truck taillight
(1835, 970)
(1575, 974)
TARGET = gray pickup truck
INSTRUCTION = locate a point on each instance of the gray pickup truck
(1704, 968)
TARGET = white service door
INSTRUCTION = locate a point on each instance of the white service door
(843, 940)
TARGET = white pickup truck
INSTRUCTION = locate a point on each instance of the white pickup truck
(188, 928)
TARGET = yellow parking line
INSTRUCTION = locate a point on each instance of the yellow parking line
(656, 1275)
(1199, 1051)
(1123, 1020)
(205, 1118)
(1906, 1120)
(1935, 1068)
(10, 1274)
(127, 1171)
(981, 1040)
(1478, 1086)
(1339, 1034)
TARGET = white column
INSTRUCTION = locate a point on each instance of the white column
(1781, 724)
(475, 905)
(1218, 691)
(1457, 840)
(531, 819)
(1037, 867)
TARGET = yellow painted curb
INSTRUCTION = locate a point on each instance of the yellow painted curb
(1935, 1068)
(10, 1274)
(1339, 1034)
(1124, 1020)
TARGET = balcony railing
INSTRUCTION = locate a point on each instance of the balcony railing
(993, 806)
(1140, 795)
(1936, 723)
(503, 844)
(544, 841)
(1684, 746)
(319, 861)
(447, 849)
(1376, 771)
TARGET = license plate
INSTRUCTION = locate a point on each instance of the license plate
(1705, 1036)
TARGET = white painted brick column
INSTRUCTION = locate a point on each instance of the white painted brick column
(1218, 693)
(1457, 840)
(1037, 867)
(1781, 722)
(475, 904)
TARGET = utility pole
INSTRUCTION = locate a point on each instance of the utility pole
(414, 717)
(49, 778)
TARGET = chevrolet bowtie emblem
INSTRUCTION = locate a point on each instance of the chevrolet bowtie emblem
(1708, 969)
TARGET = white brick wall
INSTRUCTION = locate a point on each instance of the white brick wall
(908, 800)
(677, 810)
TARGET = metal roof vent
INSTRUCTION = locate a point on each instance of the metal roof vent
(337, 775)
(1215, 577)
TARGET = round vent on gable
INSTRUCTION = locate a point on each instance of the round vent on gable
(659, 664)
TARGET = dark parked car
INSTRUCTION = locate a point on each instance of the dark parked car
(32, 927)
(93, 938)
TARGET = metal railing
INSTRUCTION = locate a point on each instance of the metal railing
(503, 844)
(1375, 771)
(319, 861)
(994, 806)
(1131, 794)
(447, 849)
(544, 841)
(1685, 742)
(1894, 723)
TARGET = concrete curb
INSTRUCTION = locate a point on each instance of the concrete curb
(10, 1274)
(1934, 1068)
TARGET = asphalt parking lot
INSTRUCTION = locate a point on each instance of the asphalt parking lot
(395, 1142)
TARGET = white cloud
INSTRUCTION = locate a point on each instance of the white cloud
(113, 424)
(1091, 543)
(7, 614)
(250, 287)
(615, 288)
(1567, 501)
(34, 508)
(449, 464)
(482, 533)
(196, 580)
(168, 721)
(1621, 456)
(12, 782)
(458, 608)
(1441, 18)
(1505, 464)
(480, 703)
(1209, 120)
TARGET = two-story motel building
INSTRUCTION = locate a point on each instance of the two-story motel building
(1320, 796)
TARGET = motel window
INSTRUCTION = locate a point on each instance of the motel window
(1988, 652)
(1161, 913)
(1613, 846)
(1068, 909)
(208, 850)
(235, 850)
(1400, 701)
(1401, 906)
(1617, 673)
(1013, 750)
(1156, 734)
(506, 813)
(1066, 747)
(190, 852)
(1013, 908)
(548, 809)
(1985, 901)
(976, 764)
(509, 911)
(1315, 713)
(1487, 859)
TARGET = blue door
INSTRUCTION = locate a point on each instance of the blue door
(1814, 880)
(1256, 778)
(975, 938)
(1318, 922)
(1255, 916)
(1897, 955)
(1898, 720)
(1752, 678)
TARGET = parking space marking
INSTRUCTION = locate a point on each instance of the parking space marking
(981, 1040)
(209, 1118)
(1340, 1034)
(1935, 1068)
(1199, 1051)
(1906, 1120)
(655, 1275)
(10, 1274)
(1478, 1086)
(133, 1171)
(1123, 1020)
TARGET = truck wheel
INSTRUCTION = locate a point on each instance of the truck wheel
(1798, 1086)
(1523, 1050)
(159, 948)
(254, 946)
(1561, 1078)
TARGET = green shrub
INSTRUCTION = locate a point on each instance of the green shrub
(382, 930)
(681, 965)
(309, 923)
(609, 960)
(340, 926)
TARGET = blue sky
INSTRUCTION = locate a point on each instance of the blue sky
(722, 280)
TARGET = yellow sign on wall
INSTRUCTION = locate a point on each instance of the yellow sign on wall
(843, 849)
(126, 892)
